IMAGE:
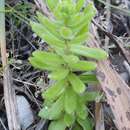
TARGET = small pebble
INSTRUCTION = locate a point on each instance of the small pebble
(25, 113)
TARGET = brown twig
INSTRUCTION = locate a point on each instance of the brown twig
(99, 117)
(108, 16)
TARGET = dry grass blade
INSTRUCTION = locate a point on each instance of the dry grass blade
(9, 92)
(99, 117)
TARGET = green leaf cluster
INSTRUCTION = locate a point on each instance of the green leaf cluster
(65, 101)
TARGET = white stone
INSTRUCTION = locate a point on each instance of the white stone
(25, 114)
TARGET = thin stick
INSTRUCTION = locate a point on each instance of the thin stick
(3, 124)
(108, 22)
(99, 117)
(9, 92)
(2, 34)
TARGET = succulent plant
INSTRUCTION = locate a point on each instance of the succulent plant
(66, 34)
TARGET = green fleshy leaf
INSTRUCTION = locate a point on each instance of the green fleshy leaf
(76, 83)
(82, 20)
(81, 110)
(87, 15)
(79, 5)
(49, 58)
(66, 33)
(79, 39)
(40, 64)
(54, 112)
(63, 11)
(48, 37)
(57, 125)
(83, 66)
(75, 19)
(51, 25)
(71, 59)
(70, 100)
(52, 4)
(69, 119)
(90, 96)
(59, 74)
(86, 124)
(89, 78)
(54, 91)
(94, 53)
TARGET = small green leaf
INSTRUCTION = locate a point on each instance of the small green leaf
(90, 96)
(48, 58)
(54, 91)
(51, 25)
(52, 4)
(47, 36)
(86, 124)
(80, 39)
(71, 59)
(79, 5)
(94, 53)
(53, 112)
(89, 78)
(40, 64)
(82, 18)
(76, 20)
(66, 33)
(76, 83)
(63, 11)
(57, 125)
(59, 74)
(70, 101)
(82, 30)
(81, 110)
(69, 119)
(83, 66)
(58, 14)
